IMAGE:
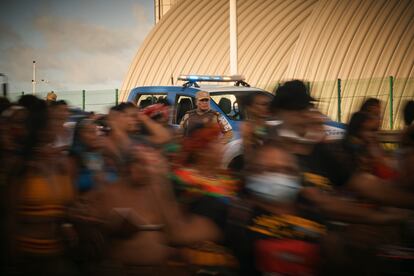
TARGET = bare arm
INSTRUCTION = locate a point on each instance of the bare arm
(183, 125)
(118, 138)
(337, 208)
(158, 133)
(181, 229)
(246, 134)
(375, 189)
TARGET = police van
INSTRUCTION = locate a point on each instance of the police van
(225, 99)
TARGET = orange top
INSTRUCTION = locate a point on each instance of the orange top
(40, 209)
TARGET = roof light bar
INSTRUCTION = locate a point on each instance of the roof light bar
(207, 78)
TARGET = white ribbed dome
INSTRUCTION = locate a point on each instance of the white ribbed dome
(316, 40)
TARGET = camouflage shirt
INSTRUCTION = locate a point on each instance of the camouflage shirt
(192, 119)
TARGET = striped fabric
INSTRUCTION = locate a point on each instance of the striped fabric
(193, 183)
(41, 205)
(210, 254)
(39, 246)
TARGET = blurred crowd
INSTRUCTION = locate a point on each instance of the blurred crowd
(125, 193)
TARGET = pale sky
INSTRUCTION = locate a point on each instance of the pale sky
(76, 44)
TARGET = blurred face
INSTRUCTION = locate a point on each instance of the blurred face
(259, 107)
(90, 136)
(368, 132)
(296, 120)
(131, 120)
(276, 161)
(375, 111)
(58, 116)
(316, 128)
(203, 104)
(274, 177)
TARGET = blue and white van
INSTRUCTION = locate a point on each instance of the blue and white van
(225, 99)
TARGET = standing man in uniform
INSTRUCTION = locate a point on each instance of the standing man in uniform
(203, 115)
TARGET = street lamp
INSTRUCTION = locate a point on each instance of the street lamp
(34, 78)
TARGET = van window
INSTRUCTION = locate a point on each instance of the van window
(145, 100)
(232, 103)
(227, 103)
(183, 104)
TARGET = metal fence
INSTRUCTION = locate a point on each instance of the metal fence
(337, 98)
(340, 98)
(88, 100)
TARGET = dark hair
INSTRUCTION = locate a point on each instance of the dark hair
(114, 108)
(407, 139)
(58, 103)
(78, 146)
(4, 104)
(356, 123)
(292, 95)
(368, 103)
(353, 149)
(36, 121)
(409, 113)
(102, 124)
(124, 106)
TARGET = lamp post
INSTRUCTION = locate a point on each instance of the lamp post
(34, 82)
(233, 37)
(34, 78)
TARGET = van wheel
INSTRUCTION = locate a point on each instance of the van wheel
(237, 164)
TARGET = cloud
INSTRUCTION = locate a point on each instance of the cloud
(71, 53)
(8, 36)
(17, 56)
(141, 16)
(96, 69)
(63, 34)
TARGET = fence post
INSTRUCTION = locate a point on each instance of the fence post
(83, 100)
(391, 102)
(116, 96)
(339, 99)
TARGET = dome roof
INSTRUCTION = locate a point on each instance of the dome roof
(360, 42)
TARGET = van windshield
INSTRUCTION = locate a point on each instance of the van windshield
(233, 103)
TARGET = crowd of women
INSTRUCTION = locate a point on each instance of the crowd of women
(125, 194)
